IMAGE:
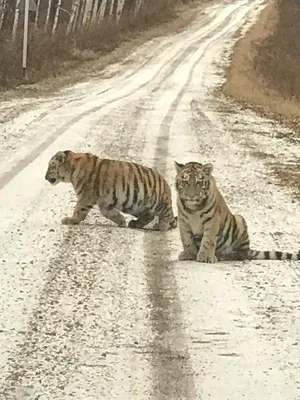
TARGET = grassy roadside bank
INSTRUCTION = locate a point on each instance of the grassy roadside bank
(264, 71)
(92, 54)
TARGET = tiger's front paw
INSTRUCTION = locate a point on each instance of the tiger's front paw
(161, 227)
(207, 257)
(184, 256)
(69, 221)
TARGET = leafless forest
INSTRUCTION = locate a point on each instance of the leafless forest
(48, 15)
(63, 33)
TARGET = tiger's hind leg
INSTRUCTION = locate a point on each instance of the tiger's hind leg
(241, 247)
(166, 220)
(143, 220)
(233, 256)
(114, 215)
(164, 224)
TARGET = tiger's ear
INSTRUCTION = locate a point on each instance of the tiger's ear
(207, 168)
(62, 155)
(178, 166)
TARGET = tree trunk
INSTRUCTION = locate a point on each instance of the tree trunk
(16, 20)
(95, 12)
(120, 7)
(87, 12)
(77, 16)
(75, 7)
(37, 14)
(111, 8)
(48, 15)
(138, 5)
(102, 9)
(81, 13)
(2, 12)
(56, 16)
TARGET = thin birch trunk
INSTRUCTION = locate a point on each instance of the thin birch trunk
(95, 12)
(87, 12)
(81, 13)
(102, 10)
(56, 16)
(137, 8)
(111, 9)
(75, 7)
(16, 20)
(90, 13)
(120, 9)
(37, 14)
(2, 11)
(76, 16)
(48, 15)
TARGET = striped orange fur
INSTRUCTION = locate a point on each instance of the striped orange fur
(114, 186)
(209, 231)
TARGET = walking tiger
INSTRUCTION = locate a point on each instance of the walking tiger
(114, 186)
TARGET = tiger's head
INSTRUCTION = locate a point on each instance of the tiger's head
(59, 168)
(193, 181)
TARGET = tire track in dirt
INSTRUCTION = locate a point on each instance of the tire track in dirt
(170, 357)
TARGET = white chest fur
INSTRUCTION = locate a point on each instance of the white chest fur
(195, 223)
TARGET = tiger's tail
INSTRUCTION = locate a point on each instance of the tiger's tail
(272, 255)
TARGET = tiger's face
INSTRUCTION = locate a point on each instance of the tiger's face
(193, 181)
(58, 168)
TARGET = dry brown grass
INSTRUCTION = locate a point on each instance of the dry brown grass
(87, 53)
(278, 56)
(265, 75)
(264, 70)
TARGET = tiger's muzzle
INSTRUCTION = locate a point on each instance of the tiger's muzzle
(50, 179)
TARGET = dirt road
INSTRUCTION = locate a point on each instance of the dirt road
(100, 312)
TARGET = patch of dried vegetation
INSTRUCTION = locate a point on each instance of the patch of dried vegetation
(264, 75)
(264, 70)
(57, 61)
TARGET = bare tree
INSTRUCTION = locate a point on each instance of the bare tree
(16, 20)
(87, 12)
(138, 5)
(102, 9)
(37, 13)
(77, 15)
(81, 13)
(75, 7)
(48, 15)
(3, 4)
(58, 6)
(95, 11)
(120, 6)
(111, 8)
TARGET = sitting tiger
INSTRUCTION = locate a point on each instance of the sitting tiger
(208, 230)
(114, 186)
